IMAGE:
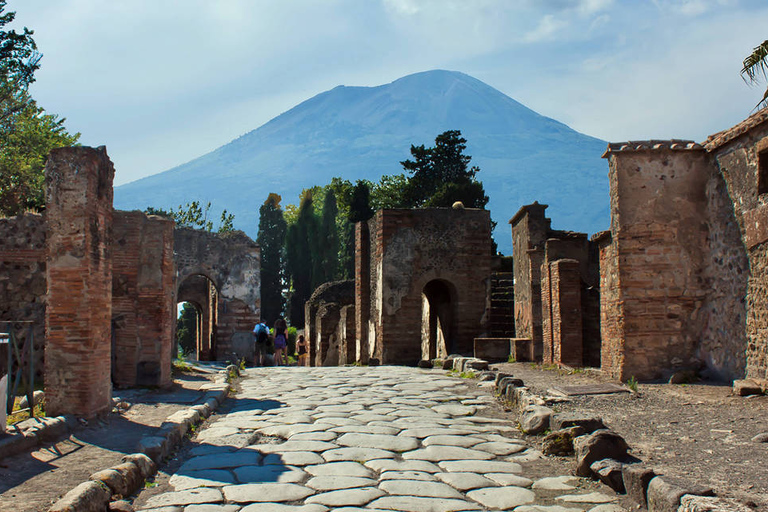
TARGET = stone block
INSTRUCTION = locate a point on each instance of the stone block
(601, 444)
(144, 463)
(610, 472)
(492, 349)
(588, 423)
(746, 387)
(509, 381)
(131, 476)
(693, 503)
(636, 479)
(560, 442)
(475, 364)
(425, 363)
(89, 496)
(535, 419)
(501, 375)
(154, 447)
(113, 479)
(664, 493)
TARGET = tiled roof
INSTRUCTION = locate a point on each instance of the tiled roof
(715, 141)
(651, 145)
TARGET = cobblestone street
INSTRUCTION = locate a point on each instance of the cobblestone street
(348, 438)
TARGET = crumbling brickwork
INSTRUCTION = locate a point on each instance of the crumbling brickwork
(326, 328)
(661, 260)
(561, 310)
(79, 275)
(22, 280)
(142, 299)
(741, 156)
(441, 253)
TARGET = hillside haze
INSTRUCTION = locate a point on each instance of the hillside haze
(364, 132)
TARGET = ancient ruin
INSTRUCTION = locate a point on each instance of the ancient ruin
(100, 287)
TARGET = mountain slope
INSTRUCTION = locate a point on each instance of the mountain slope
(363, 132)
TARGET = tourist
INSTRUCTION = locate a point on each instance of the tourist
(261, 333)
(302, 349)
(281, 341)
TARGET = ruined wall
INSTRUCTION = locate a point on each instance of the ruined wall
(143, 307)
(346, 335)
(363, 279)
(22, 281)
(232, 262)
(656, 274)
(324, 329)
(741, 155)
(411, 249)
(79, 276)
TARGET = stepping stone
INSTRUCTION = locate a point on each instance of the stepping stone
(334, 483)
(418, 504)
(188, 497)
(480, 466)
(261, 493)
(346, 497)
(419, 488)
(402, 465)
(422, 432)
(356, 454)
(314, 436)
(270, 473)
(218, 461)
(339, 469)
(465, 481)
(498, 448)
(593, 497)
(296, 446)
(509, 479)
(407, 475)
(461, 441)
(213, 433)
(502, 498)
(292, 459)
(436, 453)
(384, 442)
(367, 429)
(204, 478)
(556, 483)
(279, 507)
(455, 410)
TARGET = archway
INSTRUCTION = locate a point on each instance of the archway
(438, 319)
(201, 294)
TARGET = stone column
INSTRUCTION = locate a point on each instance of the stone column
(79, 275)
(565, 286)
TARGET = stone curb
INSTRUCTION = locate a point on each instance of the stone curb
(129, 476)
(48, 429)
(647, 489)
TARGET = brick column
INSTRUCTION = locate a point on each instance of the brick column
(79, 275)
(565, 285)
(362, 290)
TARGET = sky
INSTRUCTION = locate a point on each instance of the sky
(161, 82)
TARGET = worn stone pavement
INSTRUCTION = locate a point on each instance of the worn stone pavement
(359, 438)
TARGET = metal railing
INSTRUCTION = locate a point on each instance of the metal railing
(21, 357)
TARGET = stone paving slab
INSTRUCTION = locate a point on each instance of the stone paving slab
(364, 439)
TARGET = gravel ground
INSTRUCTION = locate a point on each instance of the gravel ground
(699, 432)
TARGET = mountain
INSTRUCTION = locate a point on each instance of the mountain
(364, 132)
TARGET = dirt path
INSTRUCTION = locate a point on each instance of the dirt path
(31, 482)
(699, 432)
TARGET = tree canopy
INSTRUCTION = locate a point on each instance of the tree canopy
(193, 215)
(755, 65)
(27, 132)
(271, 240)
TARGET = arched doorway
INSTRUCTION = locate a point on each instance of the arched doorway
(199, 295)
(438, 319)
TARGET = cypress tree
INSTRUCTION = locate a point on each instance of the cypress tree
(271, 240)
(329, 239)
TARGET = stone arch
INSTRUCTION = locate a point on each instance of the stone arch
(202, 293)
(232, 264)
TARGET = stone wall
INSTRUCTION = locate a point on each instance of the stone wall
(741, 156)
(325, 326)
(660, 262)
(79, 275)
(562, 313)
(441, 253)
(143, 307)
(232, 262)
(22, 281)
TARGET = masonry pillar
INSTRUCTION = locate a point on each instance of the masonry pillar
(565, 284)
(362, 290)
(79, 275)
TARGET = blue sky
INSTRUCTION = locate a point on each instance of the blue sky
(160, 82)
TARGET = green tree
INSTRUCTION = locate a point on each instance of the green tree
(441, 175)
(302, 267)
(186, 329)
(756, 64)
(27, 133)
(271, 240)
(328, 245)
(192, 215)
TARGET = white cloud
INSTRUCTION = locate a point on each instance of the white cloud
(547, 29)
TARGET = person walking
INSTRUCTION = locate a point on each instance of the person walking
(302, 349)
(281, 342)
(261, 333)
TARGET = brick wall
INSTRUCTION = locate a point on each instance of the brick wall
(410, 249)
(362, 290)
(22, 281)
(346, 335)
(79, 275)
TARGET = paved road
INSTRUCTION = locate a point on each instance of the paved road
(355, 438)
